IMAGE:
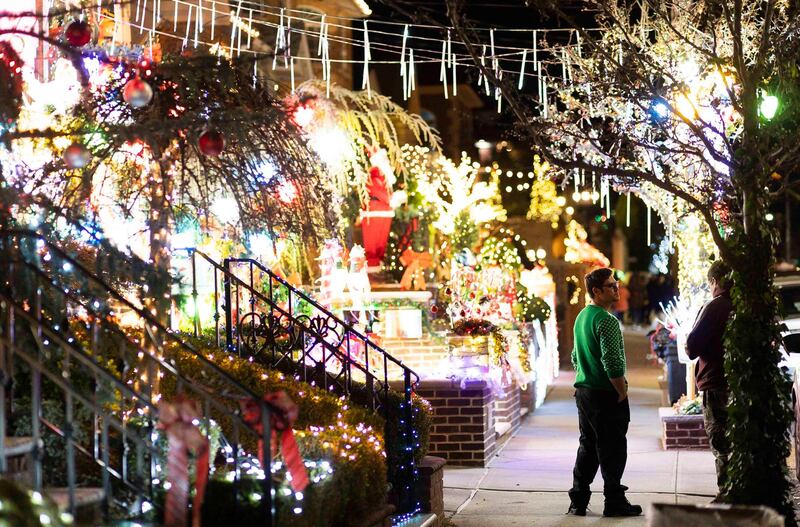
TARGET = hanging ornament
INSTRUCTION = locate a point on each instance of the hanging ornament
(10, 84)
(211, 142)
(137, 93)
(77, 156)
(78, 33)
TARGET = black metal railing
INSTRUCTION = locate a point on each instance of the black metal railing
(62, 333)
(256, 313)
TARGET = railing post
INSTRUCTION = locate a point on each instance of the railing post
(266, 453)
(5, 377)
(194, 294)
(408, 469)
(226, 284)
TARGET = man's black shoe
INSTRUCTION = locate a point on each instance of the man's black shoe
(577, 510)
(621, 508)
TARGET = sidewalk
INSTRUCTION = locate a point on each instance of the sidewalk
(527, 482)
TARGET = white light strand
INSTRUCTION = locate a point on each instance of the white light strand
(188, 24)
(498, 94)
(250, 29)
(648, 225)
(412, 76)
(291, 72)
(403, 74)
(365, 83)
(628, 211)
(234, 27)
(196, 27)
(280, 41)
(522, 70)
(321, 35)
(144, 14)
(213, 17)
(443, 69)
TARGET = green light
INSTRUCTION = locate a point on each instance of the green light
(768, 106)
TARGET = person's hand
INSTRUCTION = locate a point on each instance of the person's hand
(621, 397)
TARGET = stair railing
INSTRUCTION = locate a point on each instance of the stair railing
(271, 321)
(43, 292)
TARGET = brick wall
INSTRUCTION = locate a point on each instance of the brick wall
(421, 355)
(507, 409)
(431, 487)
(682, 431)
(463, 430)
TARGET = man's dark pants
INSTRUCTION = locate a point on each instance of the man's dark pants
(603, 424)
(715, 418)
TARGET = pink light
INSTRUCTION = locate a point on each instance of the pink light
(303, 116)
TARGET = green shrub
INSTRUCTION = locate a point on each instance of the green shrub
(328, 428)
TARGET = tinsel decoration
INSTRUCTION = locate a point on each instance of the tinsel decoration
(10, 84)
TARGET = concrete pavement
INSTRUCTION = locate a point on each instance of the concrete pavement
(527, 482)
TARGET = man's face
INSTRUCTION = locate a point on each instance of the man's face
(608, 293)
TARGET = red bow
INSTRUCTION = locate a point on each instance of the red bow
(177, 419)
(283, 414)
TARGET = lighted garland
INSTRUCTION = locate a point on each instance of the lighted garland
(531, 307)
(544, 205)
(500, 252)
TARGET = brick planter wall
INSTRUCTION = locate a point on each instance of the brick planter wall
(421, 355)
(463, 430)
(682, 431)
(507, 411)
(430, 488)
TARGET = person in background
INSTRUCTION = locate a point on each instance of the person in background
(622, 305)
(638, 298)
(705, 342)
(601, 395)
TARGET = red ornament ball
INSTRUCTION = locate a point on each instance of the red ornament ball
(76, 156)
(137, 93)
(211, 142)
(78, 33)
(448, 291)
(434, 309)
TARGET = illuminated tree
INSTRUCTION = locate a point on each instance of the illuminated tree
(153, 139)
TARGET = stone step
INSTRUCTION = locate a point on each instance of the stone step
(17, 446)
(84, 496)
(88, 504)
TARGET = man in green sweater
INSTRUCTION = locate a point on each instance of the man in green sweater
(601, 394)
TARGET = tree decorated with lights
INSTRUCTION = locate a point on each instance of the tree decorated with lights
(696, 99)
(153, 140)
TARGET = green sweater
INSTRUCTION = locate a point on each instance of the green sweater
(599, 353)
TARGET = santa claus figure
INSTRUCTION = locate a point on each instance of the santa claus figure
(377, 214)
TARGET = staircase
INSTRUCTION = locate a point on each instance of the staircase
(257, 314)
(64, 351)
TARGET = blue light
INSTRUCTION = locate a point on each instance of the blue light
(659, 110)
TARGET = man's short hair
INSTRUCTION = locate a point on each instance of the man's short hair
(720, 273)
(596, 279)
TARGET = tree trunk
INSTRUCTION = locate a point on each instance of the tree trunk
(760, 409)
(160, 226)
(158, 297)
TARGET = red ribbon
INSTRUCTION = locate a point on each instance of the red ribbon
(283, 414)
(177, 418)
